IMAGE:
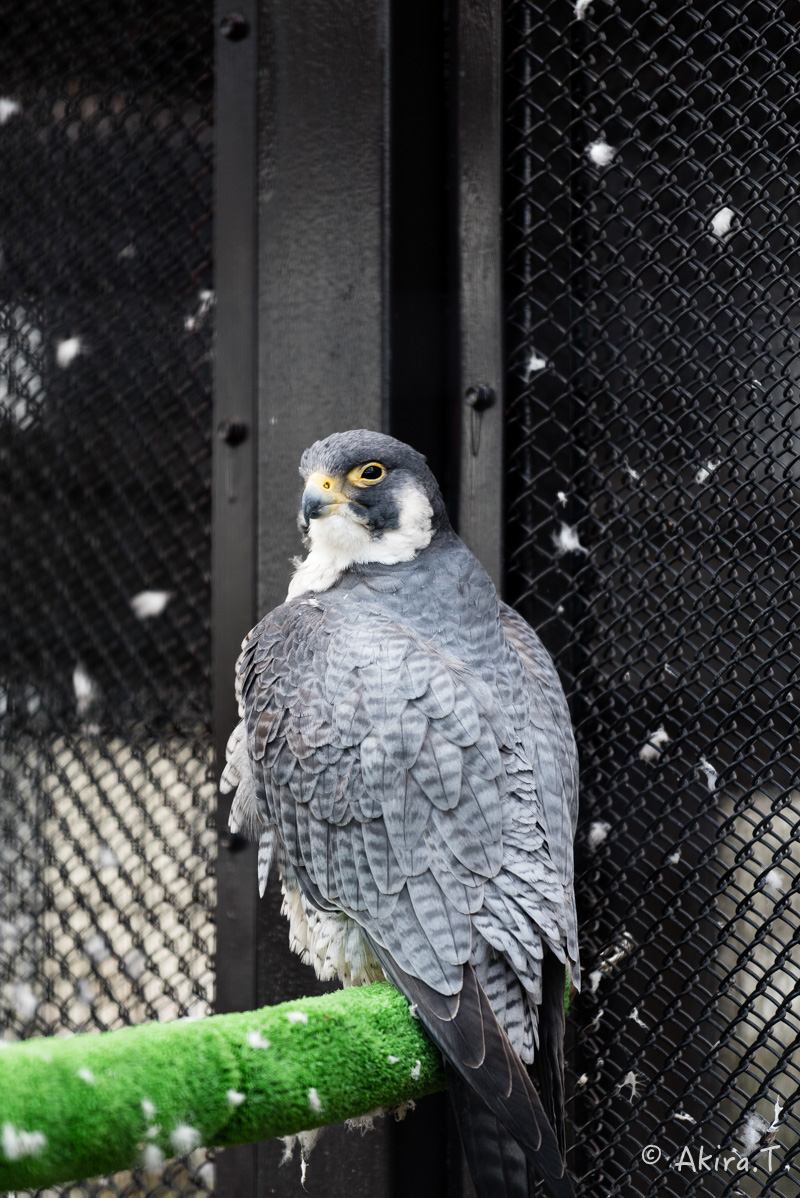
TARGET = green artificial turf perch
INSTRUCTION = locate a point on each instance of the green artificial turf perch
(94, 1104)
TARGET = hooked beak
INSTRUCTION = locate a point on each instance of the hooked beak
(321, 497)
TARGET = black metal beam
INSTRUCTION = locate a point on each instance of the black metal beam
(322, 367)
(419, 289)
(478, 80)
(234, 501)
(322, 222)
(426, 1158)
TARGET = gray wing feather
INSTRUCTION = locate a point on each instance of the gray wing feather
(551, 736)
(465, 896)
(330, 800)
(433, 800)
(297, 836)
(504, 941)
(452, 928)
(480, 858)
(550, 748)
(354, 874)
(381, 858)
(237, 776)
(414, 675)
(350, 719)
(407, 819)
(405, 738)
(284, 764)
(420, 951)
(377, 902)
(388, 770)
(385, 712)
(266, 854)
(406, 793)
(462, 726)
(440, 697)
(437, 770)
(383, 775)
(483, 757)
(322, 836)
(434, 809)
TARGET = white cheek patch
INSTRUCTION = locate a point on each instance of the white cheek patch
(339, 541)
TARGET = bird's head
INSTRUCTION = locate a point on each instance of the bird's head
(368, 497)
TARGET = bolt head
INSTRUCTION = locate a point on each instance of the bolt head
(232, 432)
(480, 397)
(234, 27)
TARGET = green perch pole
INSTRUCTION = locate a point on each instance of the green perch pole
(89, 1105)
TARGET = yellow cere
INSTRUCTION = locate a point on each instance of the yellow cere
(325, 482)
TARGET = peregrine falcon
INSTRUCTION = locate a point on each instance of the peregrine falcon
(406, 759)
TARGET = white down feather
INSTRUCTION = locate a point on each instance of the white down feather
(331, 942)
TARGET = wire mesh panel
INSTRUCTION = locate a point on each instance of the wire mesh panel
(652, 216)
(106, 896)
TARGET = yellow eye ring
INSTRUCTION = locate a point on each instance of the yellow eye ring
(366, 475)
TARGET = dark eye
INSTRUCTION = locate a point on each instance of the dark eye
(372, 472)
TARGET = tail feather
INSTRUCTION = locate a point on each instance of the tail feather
(497, 1164)
(550, 1056)
(465, 1030)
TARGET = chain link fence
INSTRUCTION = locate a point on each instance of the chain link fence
(652, 220)
(106, 305)
(652, 214)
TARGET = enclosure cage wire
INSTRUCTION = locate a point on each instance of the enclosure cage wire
(652, 382)
(106, 309)
(651, 250)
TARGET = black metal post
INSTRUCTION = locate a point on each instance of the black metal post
(322, 367)
(234, 503)
(478, 136)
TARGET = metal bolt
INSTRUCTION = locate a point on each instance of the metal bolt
(480, 398)
(234, 27)
(232, 432)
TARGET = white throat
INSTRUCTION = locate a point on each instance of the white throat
(338, 541)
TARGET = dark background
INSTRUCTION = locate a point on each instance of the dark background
(291, 219)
